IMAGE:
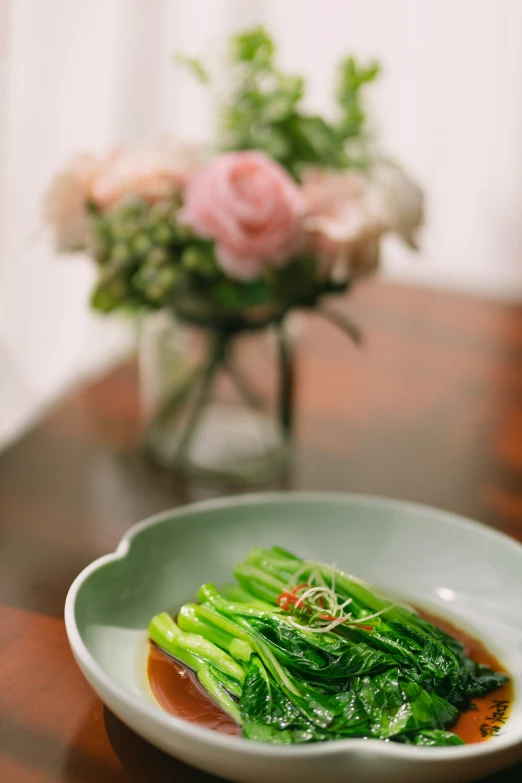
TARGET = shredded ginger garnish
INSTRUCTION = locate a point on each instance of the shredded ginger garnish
(319, 603)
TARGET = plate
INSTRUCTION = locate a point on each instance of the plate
(441, 562)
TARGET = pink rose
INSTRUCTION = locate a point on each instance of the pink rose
(252, 209)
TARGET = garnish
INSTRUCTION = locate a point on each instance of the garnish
(308, 599)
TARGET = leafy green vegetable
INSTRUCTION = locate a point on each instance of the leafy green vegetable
(381, 672)
(216, 686)
(435, 737)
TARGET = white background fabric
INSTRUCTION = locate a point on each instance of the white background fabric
(84, 75)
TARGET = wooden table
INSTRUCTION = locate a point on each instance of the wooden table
(430, 410)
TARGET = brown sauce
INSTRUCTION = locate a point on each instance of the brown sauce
(178, 692)
(493, 709)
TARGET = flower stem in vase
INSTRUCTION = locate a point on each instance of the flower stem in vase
(216, 357)
(172, 406)
(287, 381)
(249, 395)
(342, 322)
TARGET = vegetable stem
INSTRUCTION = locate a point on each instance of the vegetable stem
(215, 689)
(167, 635)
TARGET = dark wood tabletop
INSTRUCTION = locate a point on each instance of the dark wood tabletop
(429, 410)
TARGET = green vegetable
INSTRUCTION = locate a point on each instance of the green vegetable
(380, 672)
(436, 737)
(192, 618)
(167, 635)
(217, 688)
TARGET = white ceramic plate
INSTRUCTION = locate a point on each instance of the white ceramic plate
(446, 564)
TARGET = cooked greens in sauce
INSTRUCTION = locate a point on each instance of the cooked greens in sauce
(297, 651)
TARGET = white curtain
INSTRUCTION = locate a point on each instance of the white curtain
(85, 75)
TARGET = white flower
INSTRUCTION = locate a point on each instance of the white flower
(349, 211)
(401, 200)
(344, 221)
(65, 203)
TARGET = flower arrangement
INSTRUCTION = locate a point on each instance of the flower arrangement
(287, 209)
(291, 207)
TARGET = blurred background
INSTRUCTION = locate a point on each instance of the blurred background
(77, 75)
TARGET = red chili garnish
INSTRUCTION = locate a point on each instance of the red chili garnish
(286, 598)
(291, 598)
(299, 604)
(300, 587)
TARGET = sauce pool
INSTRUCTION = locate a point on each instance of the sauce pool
(492, 710)
(177, 690)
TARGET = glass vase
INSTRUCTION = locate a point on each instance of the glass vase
(217, 402)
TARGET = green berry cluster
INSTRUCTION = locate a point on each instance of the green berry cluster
(145, 254)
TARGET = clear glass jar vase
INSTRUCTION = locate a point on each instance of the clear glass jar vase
(217, 402)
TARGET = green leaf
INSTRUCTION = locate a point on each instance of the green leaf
(225, 294)
(314, 141)
(280, 103)
(194, 66)
(436, 737)
(102, 300)
(210, 678)
(320, 655)
(111, 292)
(256, 293)
(297, 282)
(253, 46)
(351, 79)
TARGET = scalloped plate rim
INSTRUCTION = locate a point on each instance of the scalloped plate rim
(209, 737)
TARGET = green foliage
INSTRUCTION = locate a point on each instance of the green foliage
(263, 110)
(194, 66)
(135, 245)
(432, 738)
(352, 78)
(253, 46)
(403, 680)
